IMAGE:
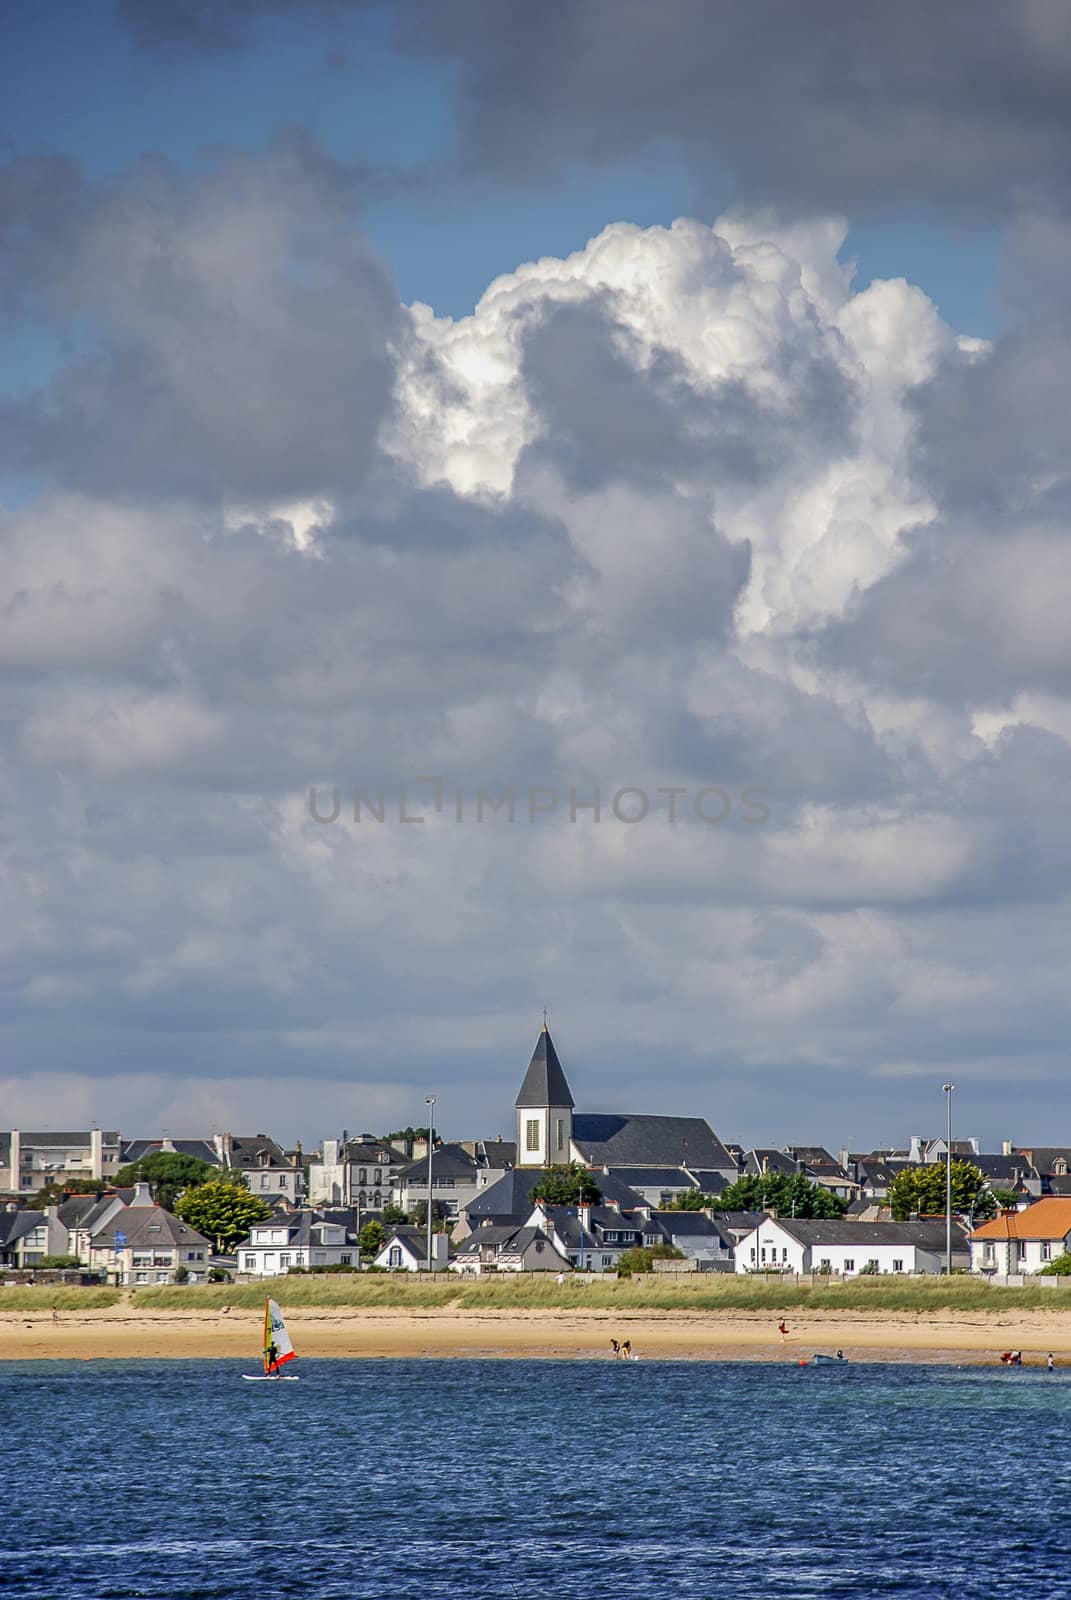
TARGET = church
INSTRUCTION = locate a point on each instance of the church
(640, 1160)
(551, 1131)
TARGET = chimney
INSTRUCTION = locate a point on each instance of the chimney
(142, 1195)
(1006, 1147)
(96, 1154)
(583, 1212)
(166, 1144)
(16, 1160)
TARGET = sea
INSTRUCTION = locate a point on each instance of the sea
(603, 1480)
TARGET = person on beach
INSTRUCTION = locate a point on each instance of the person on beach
(55, 1314)
(626, 1350)
(782, 1329)
(1050, 1364)
(615, 1349)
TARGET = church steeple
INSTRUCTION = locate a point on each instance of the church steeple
(544, 1108)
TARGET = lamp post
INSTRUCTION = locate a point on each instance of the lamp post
(948, 1088)
(429, 1101)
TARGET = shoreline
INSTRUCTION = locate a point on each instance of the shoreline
(122, 1333)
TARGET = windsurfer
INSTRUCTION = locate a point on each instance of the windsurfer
(271, 1360)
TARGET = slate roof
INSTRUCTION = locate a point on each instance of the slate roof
(1044, 1157)
(544, 1082)
(137, 1149)
(709, 1182)
(656, 1177)
(841, 1230)
(628, 1140)
(756, 1162)
(15, 1225)
(249, 1150)
(447, 1161)
(511, 1195)
(147, 1225)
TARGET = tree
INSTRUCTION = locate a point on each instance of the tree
(168, 1174)
(567, 1185)
(790, 1194)
(920, 1191)
(394, 1216)
(408, 1136)
(55, 1192)
(692, 1200)
(640, 1258)
(440, 1215)
(223, 1211)
(1005, 1199)
(372, 1238)
(1059, 1267)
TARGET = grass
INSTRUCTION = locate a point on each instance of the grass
(43, 1296)
(536, 1291)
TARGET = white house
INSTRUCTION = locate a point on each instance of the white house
(297, 1239)
(843, 1247)
(356, 1172)
(508, 1249)
(406, 1250)
(1023, 1241)
(143, 1244)
(28, 1161)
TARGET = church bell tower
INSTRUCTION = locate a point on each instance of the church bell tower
(544, 1109)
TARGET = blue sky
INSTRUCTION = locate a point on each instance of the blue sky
(684, 511)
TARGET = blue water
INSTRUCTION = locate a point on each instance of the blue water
(504, 1479)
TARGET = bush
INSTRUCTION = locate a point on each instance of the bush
(182, 1274)
(1060, 1268)
(639, 1260)
(218, 1275)
(60, 1263)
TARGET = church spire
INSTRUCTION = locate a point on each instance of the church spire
(544, 1082)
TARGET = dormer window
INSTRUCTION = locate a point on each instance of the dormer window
(1059, 1167)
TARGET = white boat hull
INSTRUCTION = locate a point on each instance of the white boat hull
(262, 1377)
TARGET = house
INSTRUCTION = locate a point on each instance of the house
(356, 1172)
(659, 1186)
(312, 1237)
(1049, 1166)
(494, 1248)
(698, 1235)
(510, 1199)
(846, 1248)
(82, 1216)
(1023, 1241)
(198, 1149)
(27, 1236)
(592, 1238)
(406, 1250)
(141, 1243)
(455, 1180)
(269, 1170)
(29, 1161)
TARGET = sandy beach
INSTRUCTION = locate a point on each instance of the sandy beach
(120, 1331)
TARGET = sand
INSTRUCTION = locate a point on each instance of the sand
(952, 1336)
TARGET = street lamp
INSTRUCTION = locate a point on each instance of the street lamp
(429, 1101)
(948, 1088)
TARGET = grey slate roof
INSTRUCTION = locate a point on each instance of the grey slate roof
(511, 1196)
(137, 1149)
(840, 1230)
(447, 1161)
(627, 1140)
(15, 1225)
(544, 1082)
(147, 1225)
(655, 1177)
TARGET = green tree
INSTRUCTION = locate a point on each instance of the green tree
(567, 1185)
(921, 1191)
(54, 1193)
(394, 1216)
(440, 1215)
(168, 1174)
(640, 1258)
(1059, 1267)
(224, 1212)
(692, 1200)
(1004, 1200)
(372, 1238)
(790, 1194)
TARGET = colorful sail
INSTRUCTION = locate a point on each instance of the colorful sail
(278, 1349)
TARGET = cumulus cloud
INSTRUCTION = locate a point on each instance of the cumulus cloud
(662, 514)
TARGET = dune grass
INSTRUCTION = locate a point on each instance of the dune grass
(43, 1296)
(700, 1293)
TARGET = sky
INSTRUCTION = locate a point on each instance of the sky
(434, 405)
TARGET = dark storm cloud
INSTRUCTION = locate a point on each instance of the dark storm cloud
(833, 104)
(229, 333)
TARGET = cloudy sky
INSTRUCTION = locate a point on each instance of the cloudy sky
(544, 400)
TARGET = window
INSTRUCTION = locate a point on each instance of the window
(394, 1259)
(531, 1134)
(362, 1176)
(825, 1265)
(1046, 1251)
(872, 1265)
(250, 1263)
(284, 1260)
(346, 1258)
(898, 1266)
(1022, 1250)
(561, 1134)
(784, 1253)
(752, 1252)
(265, 1180)
(849, 1264)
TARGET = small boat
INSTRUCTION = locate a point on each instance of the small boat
(829, 1361)
(278, 1349)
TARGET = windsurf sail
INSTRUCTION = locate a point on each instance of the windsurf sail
(278, 1348)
